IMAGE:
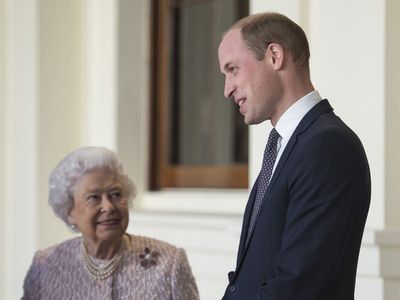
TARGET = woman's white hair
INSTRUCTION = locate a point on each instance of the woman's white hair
(73, 167)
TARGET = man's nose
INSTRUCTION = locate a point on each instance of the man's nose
(229, 88)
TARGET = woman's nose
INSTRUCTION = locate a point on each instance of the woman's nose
(106, 204)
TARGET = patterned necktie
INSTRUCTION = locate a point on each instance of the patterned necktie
(270, 154)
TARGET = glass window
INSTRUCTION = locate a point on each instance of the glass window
(198, 137)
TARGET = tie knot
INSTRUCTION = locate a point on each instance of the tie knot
(273, 137)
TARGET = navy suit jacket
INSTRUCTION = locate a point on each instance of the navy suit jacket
(307, 236)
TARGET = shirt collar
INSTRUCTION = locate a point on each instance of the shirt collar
(288, 122)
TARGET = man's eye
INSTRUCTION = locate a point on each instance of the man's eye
(233, 69)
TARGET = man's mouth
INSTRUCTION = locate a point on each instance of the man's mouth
(240, 102)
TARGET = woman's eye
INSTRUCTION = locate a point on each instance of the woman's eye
(93, 197)
(116, 195)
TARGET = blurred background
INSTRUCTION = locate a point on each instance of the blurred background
(142, 78)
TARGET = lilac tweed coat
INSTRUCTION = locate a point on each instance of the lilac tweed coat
(149, 270)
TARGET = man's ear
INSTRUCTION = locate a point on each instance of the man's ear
(275, 55)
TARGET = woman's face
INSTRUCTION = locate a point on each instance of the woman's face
(100, 209)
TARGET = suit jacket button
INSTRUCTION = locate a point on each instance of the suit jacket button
(232, 288)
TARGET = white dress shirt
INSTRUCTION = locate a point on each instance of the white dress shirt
(291, 118)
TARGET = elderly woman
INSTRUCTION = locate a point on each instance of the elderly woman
(91, 193)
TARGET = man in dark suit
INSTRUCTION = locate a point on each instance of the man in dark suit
(306, 213)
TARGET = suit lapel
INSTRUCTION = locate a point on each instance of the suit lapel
(320, 108)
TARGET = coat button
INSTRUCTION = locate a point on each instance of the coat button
(232, 288)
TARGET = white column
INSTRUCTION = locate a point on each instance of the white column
(40, 109)
(392, 125)
(2, 141)
(20, 150)
(133, 92)
(60, 74)
(100, 38)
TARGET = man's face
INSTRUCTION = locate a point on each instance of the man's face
(253, 84)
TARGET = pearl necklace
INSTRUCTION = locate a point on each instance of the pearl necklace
(101, 273)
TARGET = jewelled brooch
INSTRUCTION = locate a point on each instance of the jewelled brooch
(148, 258)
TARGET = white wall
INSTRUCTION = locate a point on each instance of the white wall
(348, 67)
(355, 64)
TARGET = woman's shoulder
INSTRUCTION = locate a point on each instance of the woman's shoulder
(138, 242)
(152, 250)
(158, 255)
(164, 264)
(62, 249)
